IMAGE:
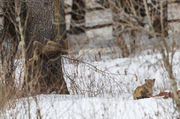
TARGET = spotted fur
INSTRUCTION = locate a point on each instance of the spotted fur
(144, 91)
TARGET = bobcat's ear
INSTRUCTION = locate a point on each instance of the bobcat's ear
(145, 80)
(154, 80)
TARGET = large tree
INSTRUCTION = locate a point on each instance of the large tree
(34, 23)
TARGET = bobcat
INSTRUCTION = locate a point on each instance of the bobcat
(144, 91)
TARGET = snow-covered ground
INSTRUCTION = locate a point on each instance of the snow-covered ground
(78, 107)
(103, 90)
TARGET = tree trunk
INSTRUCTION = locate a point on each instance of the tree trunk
(42, 26)
(44, 72)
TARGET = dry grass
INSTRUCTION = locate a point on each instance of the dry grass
(126, 21)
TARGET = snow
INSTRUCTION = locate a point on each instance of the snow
(74, 107)
(104, 92)
(121, 75)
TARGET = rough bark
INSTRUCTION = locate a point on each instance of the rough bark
(42, 25)
(45, 74)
